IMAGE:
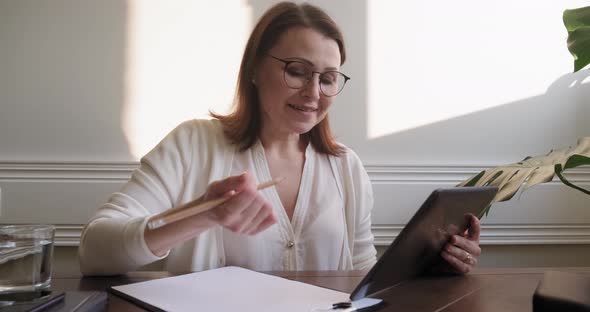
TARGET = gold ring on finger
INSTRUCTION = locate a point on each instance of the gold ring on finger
(468, 258)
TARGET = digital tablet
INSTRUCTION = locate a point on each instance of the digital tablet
(418, 245)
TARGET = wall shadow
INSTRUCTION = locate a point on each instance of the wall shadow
(502, 134)
(63, 90)
(62, 85)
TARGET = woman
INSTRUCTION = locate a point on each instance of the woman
(318, 218)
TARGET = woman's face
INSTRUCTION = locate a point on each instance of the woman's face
(295, 111)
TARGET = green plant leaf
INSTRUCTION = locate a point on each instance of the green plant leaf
(578, 43)
(473, 180)
(577, 23)
(575, 18)
(572, 162)
(531, 170)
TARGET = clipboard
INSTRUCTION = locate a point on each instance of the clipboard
(134, 300)
(418, 245)
(230, 289)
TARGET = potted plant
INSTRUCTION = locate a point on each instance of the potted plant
(534, 170)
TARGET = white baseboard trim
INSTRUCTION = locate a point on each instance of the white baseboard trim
(546, 234)
(521, 234)
(67, 170)
(493, 234)
(68, 235)
(447, 173)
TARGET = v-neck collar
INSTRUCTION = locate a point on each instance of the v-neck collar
(292, 227)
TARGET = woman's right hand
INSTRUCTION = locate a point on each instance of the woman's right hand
(246, 211)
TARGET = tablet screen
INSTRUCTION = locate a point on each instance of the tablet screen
(444, 214)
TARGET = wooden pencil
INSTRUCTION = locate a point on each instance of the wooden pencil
(193, 207)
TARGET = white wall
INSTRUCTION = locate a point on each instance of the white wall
(438, 92)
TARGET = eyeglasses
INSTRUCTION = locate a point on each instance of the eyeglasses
(298, 74)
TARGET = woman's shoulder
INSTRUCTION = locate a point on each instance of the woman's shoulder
(196, 132)
(348, 155)
(203, 129)
(348, 162)
(188, 134)
(202, 125)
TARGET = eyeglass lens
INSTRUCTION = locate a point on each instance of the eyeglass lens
(298, 74)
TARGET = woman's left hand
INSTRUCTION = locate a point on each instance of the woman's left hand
(462, 251)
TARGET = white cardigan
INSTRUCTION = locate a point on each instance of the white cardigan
(178, 170)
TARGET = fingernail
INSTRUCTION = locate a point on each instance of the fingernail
(244, 173)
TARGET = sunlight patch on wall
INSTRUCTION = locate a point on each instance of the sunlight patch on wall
(183, 59)
(434, 60)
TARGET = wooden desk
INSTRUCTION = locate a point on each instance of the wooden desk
(482, 290)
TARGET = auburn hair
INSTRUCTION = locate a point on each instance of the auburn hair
(242, 125)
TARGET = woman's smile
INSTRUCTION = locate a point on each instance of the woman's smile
(304, 108)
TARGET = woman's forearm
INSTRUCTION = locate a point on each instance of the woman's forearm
(164, 238)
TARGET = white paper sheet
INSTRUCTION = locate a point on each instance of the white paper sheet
(232, 289)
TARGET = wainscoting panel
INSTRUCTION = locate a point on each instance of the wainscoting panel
(67, 194)
(57, 193)
(549, 213)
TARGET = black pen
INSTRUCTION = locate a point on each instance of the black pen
(341, 305)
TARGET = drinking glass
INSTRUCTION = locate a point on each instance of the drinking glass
(26, 253)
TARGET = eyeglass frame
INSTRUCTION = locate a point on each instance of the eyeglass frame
(287, 62)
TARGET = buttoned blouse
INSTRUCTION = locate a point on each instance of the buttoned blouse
(330, 230)
(312, 240)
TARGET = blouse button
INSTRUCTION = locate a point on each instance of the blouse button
(290, 244)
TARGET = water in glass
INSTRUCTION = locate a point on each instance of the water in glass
(25, 258)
